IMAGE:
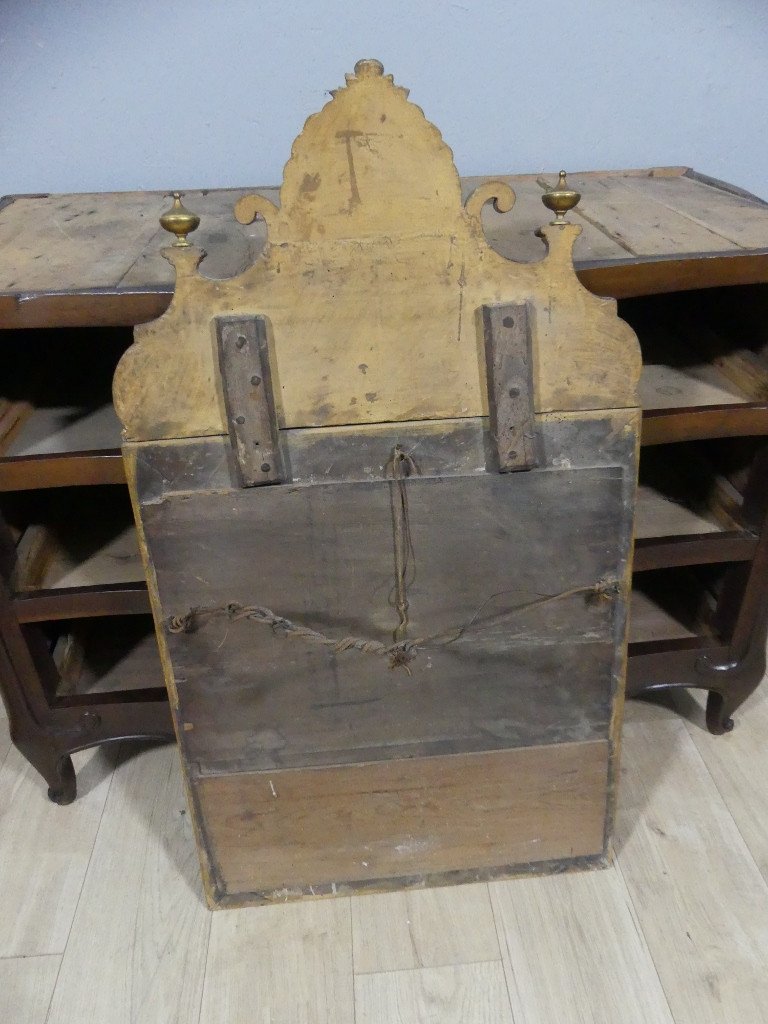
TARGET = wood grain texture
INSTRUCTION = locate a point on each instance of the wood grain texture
(286, 963)
(739, 767)
(737, 219)
(44, 853)
(573, 951)
(47, 235)
(698, 894)
(248, 398)
(415, 819)
(641, 225)
(26, 987)
(401, 931)
(305, 706)
(151, 958)
(370, 213)
(463, 994)
(509, 358)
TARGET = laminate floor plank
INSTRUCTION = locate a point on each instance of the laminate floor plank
(423, 928)
(44, 852)
(455, 994)
(699, 897)
(573, 951)
(738, 763)
(5, 736)
(137, 950)
(26, 986)
(284, 964)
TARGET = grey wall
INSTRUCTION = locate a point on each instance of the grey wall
(164, 93)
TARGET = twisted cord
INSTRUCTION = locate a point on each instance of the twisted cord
(399, 653)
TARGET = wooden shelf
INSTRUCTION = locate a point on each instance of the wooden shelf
(58, 427)
(668, 610)
(83, 562)
(687, 513)
(704, 372)
(59, 446)
(93, 660)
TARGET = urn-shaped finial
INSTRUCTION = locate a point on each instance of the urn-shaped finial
(179, 220)
(560, 199)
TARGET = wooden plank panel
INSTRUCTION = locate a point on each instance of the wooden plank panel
(64, 429)
(573, 951)
(733, 217)
(659, 515)
(26, 987)
(141, 923)
(101, 554)
(288, 964)
(74, 241)
(636, 222)
(464, 994)
(697, 384)
(230, 246)
(420, 817)
(697, 892)
(401, 931)
(513, 234)
(311, 707)
(44, 852)
(649, 619)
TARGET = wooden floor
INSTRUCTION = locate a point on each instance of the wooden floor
(102, 921)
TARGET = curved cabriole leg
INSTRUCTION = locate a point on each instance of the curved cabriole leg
(54, 766)
(719, 712)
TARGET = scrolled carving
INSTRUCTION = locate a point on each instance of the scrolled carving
(498, 192)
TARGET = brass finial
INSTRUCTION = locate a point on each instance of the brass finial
(179, 220)
(560, 199)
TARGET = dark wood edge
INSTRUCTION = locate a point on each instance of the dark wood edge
(704, 641)
(61, 469)
(723, 186)
(98, 307)
(621, 278)
(692, 423)
(94, 699)
(694, 549)
(82, 602)
(656, 275)
(220, 898)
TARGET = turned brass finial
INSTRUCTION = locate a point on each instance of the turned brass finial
(179, 220)
(560, 199)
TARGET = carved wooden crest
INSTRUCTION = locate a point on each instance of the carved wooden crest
(371, 284)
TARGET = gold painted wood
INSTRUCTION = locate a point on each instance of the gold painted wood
(371, 279)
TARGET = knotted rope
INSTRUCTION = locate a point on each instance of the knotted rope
(401, 652)
(399, 468)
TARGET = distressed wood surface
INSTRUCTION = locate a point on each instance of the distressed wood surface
(311, 707)
(371, 279)
(248, 398)
(509, 357)
(379, 772)
(407, 822)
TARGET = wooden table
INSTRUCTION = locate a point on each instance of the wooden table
(78, 271)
